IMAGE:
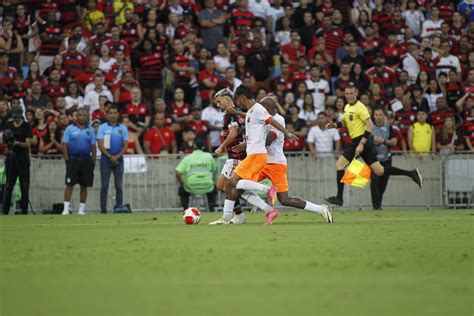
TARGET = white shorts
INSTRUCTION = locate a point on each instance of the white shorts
(229, 167)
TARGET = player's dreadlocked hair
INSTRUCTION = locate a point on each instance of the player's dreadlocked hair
(226, 92)
(244, 91)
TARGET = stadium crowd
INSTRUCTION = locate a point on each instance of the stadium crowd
(160, 62)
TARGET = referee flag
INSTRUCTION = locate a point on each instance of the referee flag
(357, 175)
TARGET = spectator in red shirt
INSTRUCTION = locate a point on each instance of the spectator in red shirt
(151, 66)
(199, 126)
(137, 112)
(427, 62)
(180, 109)
(208, 81)
(384, 76)
(159, 139)
(439, 116)
(55, 88)
(392, 51)
(58, 64)
(7, 73)
(180, 64)
(292, 51)
(115, 43)
(34, 74)
(448, 138)
(332, 34)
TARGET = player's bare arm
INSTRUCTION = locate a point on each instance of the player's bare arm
(233, 132)
(287, 133)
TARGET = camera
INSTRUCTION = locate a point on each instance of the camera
(8, 138)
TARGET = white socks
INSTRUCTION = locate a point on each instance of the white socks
(228, 209)
(82, 208)
(313, 207)
(254, 199)
(66, 207)
(248, 185)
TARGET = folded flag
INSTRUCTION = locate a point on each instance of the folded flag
(357, 175)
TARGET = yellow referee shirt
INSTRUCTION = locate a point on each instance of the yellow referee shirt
(354, 117)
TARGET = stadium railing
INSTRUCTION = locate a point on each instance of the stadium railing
(150, 183)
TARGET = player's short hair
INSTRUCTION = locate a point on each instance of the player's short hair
(244, 91)
(226, 92)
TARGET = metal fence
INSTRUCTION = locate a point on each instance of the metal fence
(150, 183)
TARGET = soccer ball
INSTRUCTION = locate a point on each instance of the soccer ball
(191, 216)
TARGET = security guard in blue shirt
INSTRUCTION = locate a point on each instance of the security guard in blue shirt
(79, 152)
(113, 142)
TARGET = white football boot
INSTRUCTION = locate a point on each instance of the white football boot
(238, 219)
(220, 221)
(326, 214)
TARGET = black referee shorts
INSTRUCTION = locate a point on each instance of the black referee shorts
(368, 154)
(80, 171)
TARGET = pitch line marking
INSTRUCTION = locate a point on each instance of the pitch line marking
(180, 223)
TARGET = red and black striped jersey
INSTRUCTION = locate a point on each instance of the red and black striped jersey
(469, 129)
(74, 63)
(129, 33)
(446, 12)
(22, 26)
(54, 91)
(151, 66)
(453, 93)
(333, 38)
(428, 65)
(234, 120)
(115, 46)
(383, 20)
(181, 77)
(63, 72)
(137, 113)
(97, 42)
(46, 7)
(242, 18)
(438, 118)
(7, 75)
(405, 119)
(50, 45)
(107, 6)
(385, 77)
(68, 11)
(17, 93)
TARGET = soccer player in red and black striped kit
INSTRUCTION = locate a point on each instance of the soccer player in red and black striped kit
(232, 129)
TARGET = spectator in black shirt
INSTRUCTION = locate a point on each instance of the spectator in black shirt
(307, 31)
(17, 135)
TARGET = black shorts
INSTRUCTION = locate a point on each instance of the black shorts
(80, 171)
(368, 154)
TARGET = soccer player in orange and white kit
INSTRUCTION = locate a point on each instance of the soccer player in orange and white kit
(245, 178)
(276, 167)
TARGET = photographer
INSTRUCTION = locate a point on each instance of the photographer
(17, 136)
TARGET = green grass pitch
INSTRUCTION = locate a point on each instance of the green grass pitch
(368, 263)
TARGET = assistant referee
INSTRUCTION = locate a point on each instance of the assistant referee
(359, 125)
